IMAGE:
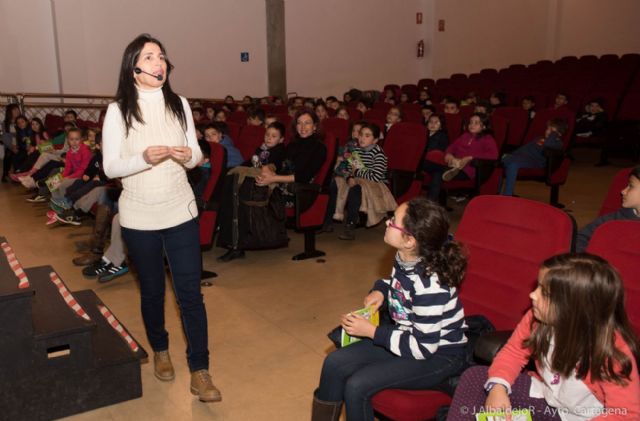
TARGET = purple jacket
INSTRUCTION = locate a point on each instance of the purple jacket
(478, 147)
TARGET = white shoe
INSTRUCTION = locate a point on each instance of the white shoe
(28, 182)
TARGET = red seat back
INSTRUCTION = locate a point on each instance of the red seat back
(238, 117)
(507, 239)
(234, 130)
(208, 217)
(404, 146)
(612, 202)
(618, 242)
(454, 126)
(499, 125)
(251, 137)
(518, 120)
(339, 127)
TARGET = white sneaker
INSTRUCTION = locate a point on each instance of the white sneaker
(28, 182)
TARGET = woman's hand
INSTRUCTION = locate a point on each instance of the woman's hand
(155, 154)
(266, 177)
(498, 400)
(181, 154)
(374, 300)
(356, 325)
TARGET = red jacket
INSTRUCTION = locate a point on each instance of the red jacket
(513, 357)
(478, 147)
(76, 162)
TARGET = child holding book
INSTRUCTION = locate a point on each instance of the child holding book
(425, 343)
(584, 348)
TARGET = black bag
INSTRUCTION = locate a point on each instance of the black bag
(252, 217)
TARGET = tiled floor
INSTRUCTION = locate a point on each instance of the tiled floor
(268, 315)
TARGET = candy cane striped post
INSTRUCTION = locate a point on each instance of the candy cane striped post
(115, 324)
(68, 298)
(23, 281)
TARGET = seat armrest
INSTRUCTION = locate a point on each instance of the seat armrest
(488, 345)
(305, 195)
(554, 160)
(484, 169)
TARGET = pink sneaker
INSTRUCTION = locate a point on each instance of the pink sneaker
(51, 220)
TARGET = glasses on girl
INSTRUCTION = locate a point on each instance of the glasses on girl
(391, 223)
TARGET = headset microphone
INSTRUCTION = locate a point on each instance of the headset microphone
(138, 70)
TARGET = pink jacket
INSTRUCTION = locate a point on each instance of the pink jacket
(77, 162)
(510, 360)
(468, 145)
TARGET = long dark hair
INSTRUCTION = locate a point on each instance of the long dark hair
(428, 222)
(127, 95)
(314, 117)
(7, 116)
(486, 122)
(586, 311)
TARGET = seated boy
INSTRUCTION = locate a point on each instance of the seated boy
(630, 210)
(593, 121)
(531, 155)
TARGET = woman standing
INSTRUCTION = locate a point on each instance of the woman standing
(149, 141)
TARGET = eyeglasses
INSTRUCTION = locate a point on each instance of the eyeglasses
(391, 223)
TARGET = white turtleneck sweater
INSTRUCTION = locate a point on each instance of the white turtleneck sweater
(157, 196)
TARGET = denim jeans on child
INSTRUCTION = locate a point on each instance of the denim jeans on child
(355, 373)
(181, 246)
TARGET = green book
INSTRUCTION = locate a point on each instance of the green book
(367, 313)
(45, 147)
(516, 415)
(53, 182)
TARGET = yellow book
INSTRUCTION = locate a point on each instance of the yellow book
(367, 313)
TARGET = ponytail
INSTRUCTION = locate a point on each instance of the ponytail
(429, 224)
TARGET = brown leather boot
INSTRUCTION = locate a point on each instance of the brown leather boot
(162, 367)
(325, 411)
(100, 229)
(87, 259)
(202, 386)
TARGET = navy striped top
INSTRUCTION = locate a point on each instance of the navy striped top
(374, 164)
(428, 317)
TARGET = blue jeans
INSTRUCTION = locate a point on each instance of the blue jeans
(511, 167)
(357, 372)
(181, 246)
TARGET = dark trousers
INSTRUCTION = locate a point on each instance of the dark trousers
(354, 201)
(80, 187)
(470, 397)
(46, 170)
(7, 162)
(181, 246)
(435, 185)
(355, 373)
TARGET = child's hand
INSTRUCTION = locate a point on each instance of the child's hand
(374, 300)
(356, 325)
(181, 154)
(498, 400)
(85, 178)
(351, 182)
(155, 154)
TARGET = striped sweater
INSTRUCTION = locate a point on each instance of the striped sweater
(372, 164)
(428, 317)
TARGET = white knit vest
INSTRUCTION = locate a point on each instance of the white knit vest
(159, 197)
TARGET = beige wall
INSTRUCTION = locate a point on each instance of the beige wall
(488, 33)
(27, 53)
(334, 45)
(203, 39)
(598, 27)
(331, 45)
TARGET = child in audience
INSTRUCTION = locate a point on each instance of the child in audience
(630, 210)
(437, 139)
(427, 111)
(592, 374)
(333, 103)
(46, 162)
(217, 133)
(198, 114)
(269, 119)
(321, 111)
(483, 107)
(11, 113)
(425, 342)
(451, 106)
(272, 151)
(470, 99)
(363, 106)
(404, 98)
(394, 115)
(76, 161)
(343, 113)
(210, 113)
(593, 121)
(23, 143)
(389, 96)
(359, 184)
(561, 100)
(220, 116)
(255, 117)
(528, 104)
(423, 98)
(498, 99)
(476, 142)
(531, 155)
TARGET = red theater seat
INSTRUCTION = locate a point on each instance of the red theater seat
(507, 239)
